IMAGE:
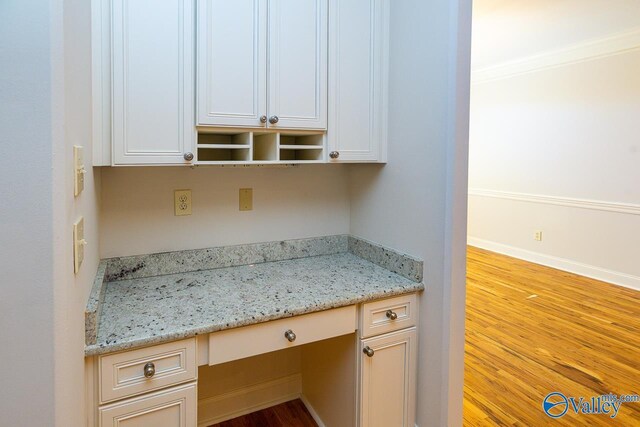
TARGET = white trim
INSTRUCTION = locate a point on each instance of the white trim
(610, 276)
(618, 207)
(585, 51)
(312, 411)
(246, 400)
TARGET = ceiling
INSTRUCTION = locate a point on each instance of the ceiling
(507, 30)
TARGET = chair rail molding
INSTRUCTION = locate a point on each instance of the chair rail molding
(588, 50)
(618, 207)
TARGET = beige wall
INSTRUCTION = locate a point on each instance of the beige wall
(137, 206)
(26, 259)
(556, 148)
(72, 290)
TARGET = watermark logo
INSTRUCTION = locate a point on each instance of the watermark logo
(556, 404)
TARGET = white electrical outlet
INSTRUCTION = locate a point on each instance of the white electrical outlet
(182, 202)
(537, 236)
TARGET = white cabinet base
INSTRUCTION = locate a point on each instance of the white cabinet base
(388, 380)
(174, 407)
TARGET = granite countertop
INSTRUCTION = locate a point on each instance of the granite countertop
(140, 311)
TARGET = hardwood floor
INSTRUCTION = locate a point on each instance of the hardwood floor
(288, 414)
(532, 330)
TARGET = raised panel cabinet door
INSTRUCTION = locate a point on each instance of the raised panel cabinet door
(174, 407)
(232, 62)
(358, 75)
(152, 81)
(298, 64)
(387, 381)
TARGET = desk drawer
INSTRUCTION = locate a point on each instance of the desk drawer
(403, 313)
(238, 343)
(123, 374)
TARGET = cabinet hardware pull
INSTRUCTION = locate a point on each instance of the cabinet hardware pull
(273, 120)
(392, 315)
(290, 335)
(368, 351)
(188, 156)
(149, 370)
(263, 119)
(334, 154)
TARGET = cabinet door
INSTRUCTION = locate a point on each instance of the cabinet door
(175, 407)
(153, 81)
(232, 62)
(358, 74)
(298, 63)
(387, 382)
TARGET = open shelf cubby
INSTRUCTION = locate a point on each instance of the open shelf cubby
(235, 146)
(224, 147)
(265, 147)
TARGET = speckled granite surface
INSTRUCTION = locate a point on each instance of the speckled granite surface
(402, 264)
(142, 311)
(133, 267)
(94, 305)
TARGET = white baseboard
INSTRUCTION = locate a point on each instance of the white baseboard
(245, 400)
(312, 411)
(610, 276)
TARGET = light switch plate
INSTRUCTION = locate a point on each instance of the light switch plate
(78, 244)
(182, 202)
(246, 199)
(78, 169)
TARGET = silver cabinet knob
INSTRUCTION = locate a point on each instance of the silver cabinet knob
(368, 351)
(149, 370)
(290, 335)
(392, 315)
(263, 119)
(273, 120)
(188, 156)
(334, 154)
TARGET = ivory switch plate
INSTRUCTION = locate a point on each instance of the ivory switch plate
(78, 170)
(246, 199)
(78, 244)
(182, 202)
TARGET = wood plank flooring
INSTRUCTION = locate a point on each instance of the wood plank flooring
(532, 330)
(288, 414)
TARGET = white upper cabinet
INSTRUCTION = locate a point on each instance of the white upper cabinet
(232, 62)
(298, 63)
(358, 74)
(152, 81)
(262, 63)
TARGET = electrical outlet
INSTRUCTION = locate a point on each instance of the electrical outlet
(78, 244)
(537, 236)
(78, 169)
(246, 199)
(182, 202)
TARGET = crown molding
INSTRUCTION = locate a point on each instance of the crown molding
(586, 51)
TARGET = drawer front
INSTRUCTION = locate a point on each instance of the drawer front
(402, 313)
(174, 407)
(123, 374)
(238, 343)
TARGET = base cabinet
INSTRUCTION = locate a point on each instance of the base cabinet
(387, 382)
(174, 407)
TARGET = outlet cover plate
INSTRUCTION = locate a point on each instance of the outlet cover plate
(78, 244)
(182, 202)
(78, 170)
(246, 199)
